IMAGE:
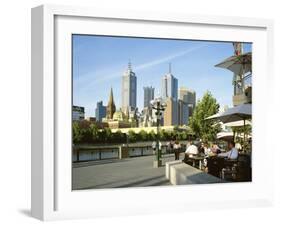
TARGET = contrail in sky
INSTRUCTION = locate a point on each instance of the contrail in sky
(167, 58)
(153, 63)
(89, 81)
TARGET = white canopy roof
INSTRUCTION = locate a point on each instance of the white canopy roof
(238, 113)
(238, 64)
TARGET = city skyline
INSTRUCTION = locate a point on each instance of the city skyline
(95, 69)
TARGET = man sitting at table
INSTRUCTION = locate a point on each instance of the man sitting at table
(191, 149)
(232, 153)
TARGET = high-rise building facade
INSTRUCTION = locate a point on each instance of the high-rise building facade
(111, 108)
(183, 112)
(169, 93)
(169, 87)
(129, 89)
(78, 113)
(171, 112)
(148, 96)
(100, 111)
(188, 96)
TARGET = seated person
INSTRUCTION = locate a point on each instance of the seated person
(232, 153)
(207, 149)
(200, 147)
(238, 146)
(215, 149)
(191, 149)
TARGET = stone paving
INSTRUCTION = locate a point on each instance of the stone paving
(115, 173)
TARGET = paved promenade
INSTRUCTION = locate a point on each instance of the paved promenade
(131, 172)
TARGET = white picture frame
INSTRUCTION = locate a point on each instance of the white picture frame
(52, 197)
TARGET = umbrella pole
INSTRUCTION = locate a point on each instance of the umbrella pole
(242, 78)
(244, 137)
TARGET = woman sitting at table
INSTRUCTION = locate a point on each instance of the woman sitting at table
(215, 149)
(207, 149)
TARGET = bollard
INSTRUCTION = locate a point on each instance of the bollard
(123, 152)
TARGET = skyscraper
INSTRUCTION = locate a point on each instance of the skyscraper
(100, 111)
(183, 112)
(148, 96)
(169, 90)
(171, 112)
(78, 113)
(111, 108)
(169, 86)
(188, 96)
(129, 89)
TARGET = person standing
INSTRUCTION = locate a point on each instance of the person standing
(172, 143)
(177, 147)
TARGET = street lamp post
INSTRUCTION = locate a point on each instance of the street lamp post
(159, 106)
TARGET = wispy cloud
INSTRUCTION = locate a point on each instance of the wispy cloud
(167, 58)
(105, 75)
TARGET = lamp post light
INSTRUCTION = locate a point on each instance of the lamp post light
(159, 105)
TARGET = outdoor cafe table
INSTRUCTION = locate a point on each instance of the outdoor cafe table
(196, 158)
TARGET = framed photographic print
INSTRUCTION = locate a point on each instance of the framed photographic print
(136, 112)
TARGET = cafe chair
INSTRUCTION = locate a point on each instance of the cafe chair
(230, 170)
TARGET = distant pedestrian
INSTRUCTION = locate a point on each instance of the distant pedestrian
(154, 145)
(171, 146)
(177, 147)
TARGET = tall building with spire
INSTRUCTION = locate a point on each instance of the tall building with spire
(129, 89)
(111, 108)
(169, 93)
(169, 86)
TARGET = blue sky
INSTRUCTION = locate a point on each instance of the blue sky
(99, 62)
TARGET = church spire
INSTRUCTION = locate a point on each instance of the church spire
(111, 108)
(111, 99)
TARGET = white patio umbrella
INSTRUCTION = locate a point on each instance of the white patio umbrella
(240, 64)
(225, 136)
(237, 123)
(237, 113)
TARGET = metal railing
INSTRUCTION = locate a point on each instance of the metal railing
(102, 153)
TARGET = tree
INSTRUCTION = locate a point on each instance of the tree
(108, 135)
(152, 135)
(143, 135)
(205, 129)
(76, 133)
(94, 132)
(132, 136)
(119, 137)
(182, 135)
(163, 135)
